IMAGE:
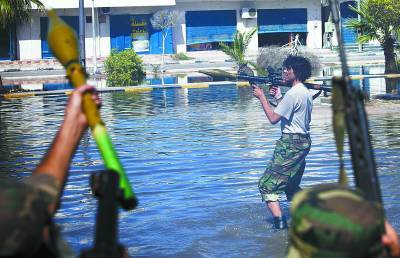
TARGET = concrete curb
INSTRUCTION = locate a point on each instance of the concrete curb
(134, 89)
(34, 79)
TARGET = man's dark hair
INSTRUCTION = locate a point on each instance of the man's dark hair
(300, 65)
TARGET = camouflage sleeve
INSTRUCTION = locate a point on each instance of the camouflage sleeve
(24, 212)
(46, 185)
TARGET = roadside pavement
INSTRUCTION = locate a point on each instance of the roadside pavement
(51, 69)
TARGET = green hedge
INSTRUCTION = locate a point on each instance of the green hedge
(124, 68)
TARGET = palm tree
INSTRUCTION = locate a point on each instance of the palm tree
(380, 20)
(237, 51)
(15, 12)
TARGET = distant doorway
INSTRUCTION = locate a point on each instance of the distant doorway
(279, 38)
(5, 45)
(206, 46)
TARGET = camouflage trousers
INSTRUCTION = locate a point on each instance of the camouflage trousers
(283, 173)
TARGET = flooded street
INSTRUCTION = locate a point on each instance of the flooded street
(193, 157)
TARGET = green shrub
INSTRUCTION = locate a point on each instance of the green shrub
(156, 69)
(181, 56)
(124, 68)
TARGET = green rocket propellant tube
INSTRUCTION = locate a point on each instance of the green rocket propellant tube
(63, 43)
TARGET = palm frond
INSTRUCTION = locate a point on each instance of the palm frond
(260, 70)
(362, 39)
(16, 11)
(247, 38)
(237, 51)
(226, 49)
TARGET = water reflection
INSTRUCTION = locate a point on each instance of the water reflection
(193, 157)
(371, 86)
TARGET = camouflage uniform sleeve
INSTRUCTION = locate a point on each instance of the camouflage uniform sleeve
(46, 185)
(24, 213)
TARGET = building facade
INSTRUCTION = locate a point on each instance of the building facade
(125, 24)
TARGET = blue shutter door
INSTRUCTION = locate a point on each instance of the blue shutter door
(349, 36)
(156, 42)
(282, 20)
(72, 21)
(210, 26)
(5, 48)
(121, 34)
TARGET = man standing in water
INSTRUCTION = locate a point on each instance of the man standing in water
(286, 167)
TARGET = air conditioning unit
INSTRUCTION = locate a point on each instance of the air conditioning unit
(248, 13)
(105, 10)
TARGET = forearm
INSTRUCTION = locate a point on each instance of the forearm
(269, 112)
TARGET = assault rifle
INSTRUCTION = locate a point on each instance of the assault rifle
(274, 78)
(267, 80)
(105, 187)
(362, 155)
(348, 105)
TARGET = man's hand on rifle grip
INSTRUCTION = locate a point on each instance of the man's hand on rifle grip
(275, 91)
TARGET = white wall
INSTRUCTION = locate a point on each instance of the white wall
(179, 35)
(29, 43)
(104, 39)
(246, 25)
(29, 34)
(314, 25)
(102, 36)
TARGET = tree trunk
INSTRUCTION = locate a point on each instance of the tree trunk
(390, 64)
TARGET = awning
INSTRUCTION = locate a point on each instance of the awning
(210, 26)
(282, 20)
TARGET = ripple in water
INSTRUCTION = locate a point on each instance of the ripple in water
(193, 158)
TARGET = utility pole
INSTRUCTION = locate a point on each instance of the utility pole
(82, 23)
(360, 47)
(94, 56)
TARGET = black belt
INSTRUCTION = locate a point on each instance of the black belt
(295, 136)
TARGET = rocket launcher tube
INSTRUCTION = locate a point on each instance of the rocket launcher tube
(63, 43)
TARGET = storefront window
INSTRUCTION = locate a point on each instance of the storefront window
(140, 34)
(205, 46)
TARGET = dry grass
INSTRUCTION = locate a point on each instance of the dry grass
(274, 56)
